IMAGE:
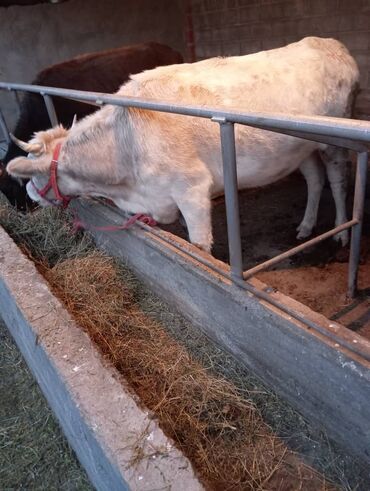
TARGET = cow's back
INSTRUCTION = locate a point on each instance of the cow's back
(312, 76)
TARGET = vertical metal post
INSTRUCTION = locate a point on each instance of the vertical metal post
(231, 196)
(17, 99)
(50, 109)
(4, 127)
(358, 211)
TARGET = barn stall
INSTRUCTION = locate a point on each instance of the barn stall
(282, 305)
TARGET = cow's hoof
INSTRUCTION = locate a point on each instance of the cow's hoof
(303, 231)
(342, 237)
(203, 247)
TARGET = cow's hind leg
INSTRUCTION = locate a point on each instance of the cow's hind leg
(335, 160)
(313, 171)
(194, 202)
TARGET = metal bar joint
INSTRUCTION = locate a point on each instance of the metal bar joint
(219, 119)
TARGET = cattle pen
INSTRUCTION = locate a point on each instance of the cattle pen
(280, 339)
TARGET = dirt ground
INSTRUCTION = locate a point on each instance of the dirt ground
(316, 277)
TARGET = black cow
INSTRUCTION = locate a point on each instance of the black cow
(103, 71)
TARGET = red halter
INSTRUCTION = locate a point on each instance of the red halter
(52, 182)
(65, 200)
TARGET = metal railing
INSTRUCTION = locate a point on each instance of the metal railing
(4, 129)
(347, 133)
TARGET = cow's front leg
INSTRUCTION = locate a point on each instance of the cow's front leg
(313, 171)
(194, 202)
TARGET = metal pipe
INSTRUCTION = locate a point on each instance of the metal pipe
(231, 196)
(347, 129)
(4, 127)
(358, 212)
(89, 103)
(291, 252)
(330, 140)
(50, 109)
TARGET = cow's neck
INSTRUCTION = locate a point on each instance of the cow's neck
(95, 153)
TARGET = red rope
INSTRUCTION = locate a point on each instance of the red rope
(78, 224)
(53, 183)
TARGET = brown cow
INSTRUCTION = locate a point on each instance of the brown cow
(103, 71)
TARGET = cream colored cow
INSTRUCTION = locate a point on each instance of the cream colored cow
(157, 164)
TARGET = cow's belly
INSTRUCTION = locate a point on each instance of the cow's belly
(262, 169)
(263, 172)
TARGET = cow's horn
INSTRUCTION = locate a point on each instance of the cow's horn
(27, 147)
(74, 120)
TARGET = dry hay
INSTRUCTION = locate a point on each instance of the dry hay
(46, 235)
(222, 433)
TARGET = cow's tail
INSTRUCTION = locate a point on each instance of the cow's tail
(351, 109)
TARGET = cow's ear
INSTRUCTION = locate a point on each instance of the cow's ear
(26, 168)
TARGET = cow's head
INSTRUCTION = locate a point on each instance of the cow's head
(36, 166)
(89, 163)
